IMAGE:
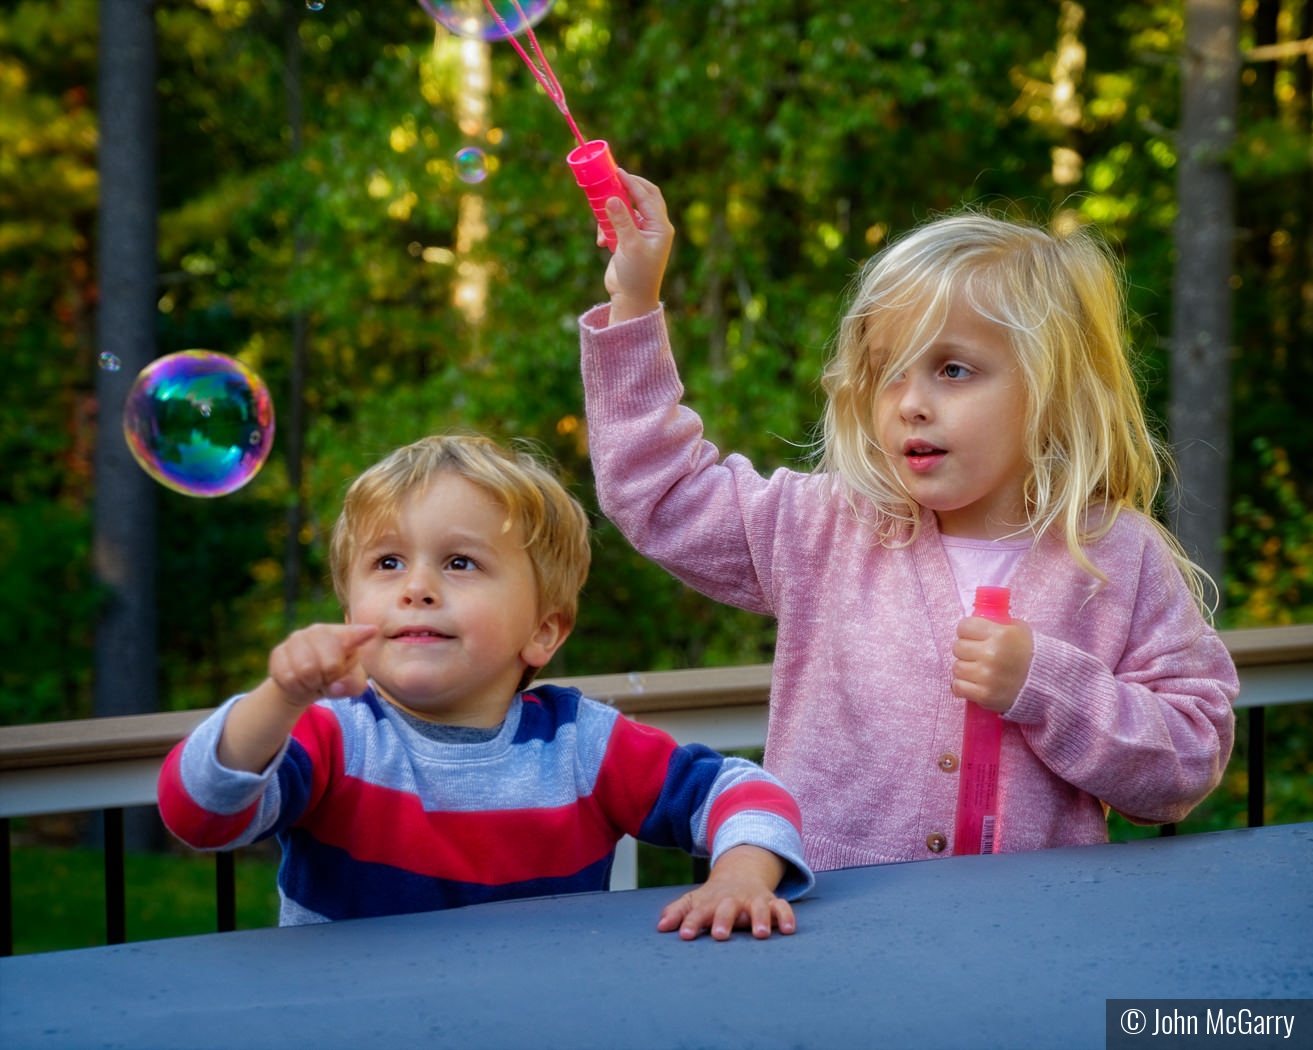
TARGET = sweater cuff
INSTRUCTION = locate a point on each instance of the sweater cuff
(1058, 694)
(776, 834)
(216, 787)
(627, 368)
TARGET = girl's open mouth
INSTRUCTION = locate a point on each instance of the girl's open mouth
(922, 457)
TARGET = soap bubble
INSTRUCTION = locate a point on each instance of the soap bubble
(315, 5)
(471, 165)
(199, 423)
(109, 362)
(471, 18)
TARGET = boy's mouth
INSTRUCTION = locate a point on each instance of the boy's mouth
(418, 634)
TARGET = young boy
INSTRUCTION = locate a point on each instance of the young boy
(402, 760)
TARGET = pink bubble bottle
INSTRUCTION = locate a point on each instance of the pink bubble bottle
(598, 176)
(976, 827)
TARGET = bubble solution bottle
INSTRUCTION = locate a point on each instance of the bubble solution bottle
(598, 176)
(976, 827)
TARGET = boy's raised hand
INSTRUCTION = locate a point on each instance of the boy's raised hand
(738, 894)
(633, 277)
(321, 660)
(314, 662)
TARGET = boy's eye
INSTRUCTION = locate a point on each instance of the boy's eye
(460, 563)
(389, 562)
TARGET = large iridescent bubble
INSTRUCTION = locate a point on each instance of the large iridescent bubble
(198, 422)
(471, 18)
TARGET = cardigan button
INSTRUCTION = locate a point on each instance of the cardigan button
(948, 762)
(936, 842)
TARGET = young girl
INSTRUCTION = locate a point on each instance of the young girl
(982, 427)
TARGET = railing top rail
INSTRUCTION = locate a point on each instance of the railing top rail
(152, 735)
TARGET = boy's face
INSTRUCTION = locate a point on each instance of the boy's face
(953, 425)
(452, 592)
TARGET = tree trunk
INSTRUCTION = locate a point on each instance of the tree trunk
(1201, 293)
(124, 542)
(293, 429)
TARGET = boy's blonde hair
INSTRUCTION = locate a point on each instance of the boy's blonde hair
(1059, 296)
(553, 525)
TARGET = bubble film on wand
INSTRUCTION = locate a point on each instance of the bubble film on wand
(591, 162)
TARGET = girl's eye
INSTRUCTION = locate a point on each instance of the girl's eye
(956, 371)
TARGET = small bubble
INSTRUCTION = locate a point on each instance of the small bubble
(109, 362)
(314, 5)
(471, 165)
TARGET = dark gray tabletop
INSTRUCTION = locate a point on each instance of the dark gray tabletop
(1014, 951)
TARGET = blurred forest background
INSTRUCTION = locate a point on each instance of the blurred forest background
(311, 222)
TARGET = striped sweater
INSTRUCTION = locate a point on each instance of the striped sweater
(374, 818)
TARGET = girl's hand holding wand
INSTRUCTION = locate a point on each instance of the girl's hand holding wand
(633, 276)
(991, 661)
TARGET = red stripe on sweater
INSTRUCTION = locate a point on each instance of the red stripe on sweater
(383, 826)
(633, 772)
(197, 827)
(320, 733)
(753, 795)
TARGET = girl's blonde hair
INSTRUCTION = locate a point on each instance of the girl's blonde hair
(1059, 296)
(553, 525)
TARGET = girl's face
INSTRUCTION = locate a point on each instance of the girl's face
(953, 427)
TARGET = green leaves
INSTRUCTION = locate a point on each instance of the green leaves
(791, 139)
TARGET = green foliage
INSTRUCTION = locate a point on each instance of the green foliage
(50, 543)
(1271, 547)
(791, 140)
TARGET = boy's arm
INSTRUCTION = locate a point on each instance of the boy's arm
(219, 788)
(705, 803)
(317, 661)
(738, 894)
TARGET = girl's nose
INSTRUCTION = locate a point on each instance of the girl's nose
(913, 405)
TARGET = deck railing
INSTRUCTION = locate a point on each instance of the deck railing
(108, 764)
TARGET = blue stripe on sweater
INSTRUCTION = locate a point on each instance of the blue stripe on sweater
(689, 778)
(295, 778)
(539, 721)
(326, 880)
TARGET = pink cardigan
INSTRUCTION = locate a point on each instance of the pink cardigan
(1128, 699)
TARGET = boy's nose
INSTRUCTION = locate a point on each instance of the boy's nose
(420, 589)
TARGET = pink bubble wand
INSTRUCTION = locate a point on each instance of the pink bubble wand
(591, 162)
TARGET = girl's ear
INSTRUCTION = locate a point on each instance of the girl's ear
(550, 636)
